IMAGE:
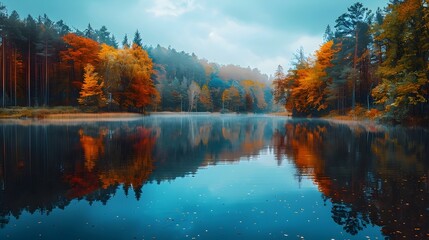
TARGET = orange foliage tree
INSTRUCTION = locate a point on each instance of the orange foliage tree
(80, 52)
(307, 84)
(125, 74)
(141, 89)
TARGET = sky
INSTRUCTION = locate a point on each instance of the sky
(256, 33)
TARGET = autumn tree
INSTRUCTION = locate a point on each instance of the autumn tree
(235, 98)
(140, 89)
(194, 92)
(304, 89)
(80, 52)
(232, 98)
(404, 73)
(206, 99)
(254, 93)
(298, 94)
(286, 85)
(42, 63)
(110, 70)
(92, 89)
(317, 98)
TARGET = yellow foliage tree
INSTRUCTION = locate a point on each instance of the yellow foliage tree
(232, 97)
(91, 93)
(205, 98)
(254, 90)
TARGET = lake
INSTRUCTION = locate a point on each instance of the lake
(212, 177)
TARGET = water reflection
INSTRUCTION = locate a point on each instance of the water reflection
(372, 175)
(368, 175)
(45, 166)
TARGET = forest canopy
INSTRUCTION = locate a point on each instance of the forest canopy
(47, 63)
(371, 64)
(376, 63)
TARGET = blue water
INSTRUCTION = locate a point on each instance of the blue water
(212, 177)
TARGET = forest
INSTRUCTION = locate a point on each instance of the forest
(374, 65)
(46, 63)
(371, 64)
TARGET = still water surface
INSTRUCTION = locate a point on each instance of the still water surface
(212, 177)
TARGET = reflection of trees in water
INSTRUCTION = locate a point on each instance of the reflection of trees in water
(134, 166)
(186, 144)
(32, 170)
(46, 167)
(371, 177)
(92, 147)
(123, 158)
(346, 215)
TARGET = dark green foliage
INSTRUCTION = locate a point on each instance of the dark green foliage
(138, 39)
(104, 36)
(125, 42)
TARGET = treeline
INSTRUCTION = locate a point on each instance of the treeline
(371, 63)
(187, 83)
(46, 63)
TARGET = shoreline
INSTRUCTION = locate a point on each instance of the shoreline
(58, 113)
(72, 114)
(102, 115)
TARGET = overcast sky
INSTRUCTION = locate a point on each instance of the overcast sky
(255, 33)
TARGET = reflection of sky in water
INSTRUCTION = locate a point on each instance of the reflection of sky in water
(252, 199)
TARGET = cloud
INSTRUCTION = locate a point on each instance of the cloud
(172, 8)
(307, 42)
(268, 65)
(227, 41)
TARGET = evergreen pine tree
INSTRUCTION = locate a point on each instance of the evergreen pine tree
(125, 43)
(137, 39)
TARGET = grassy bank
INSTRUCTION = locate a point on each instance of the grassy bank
(32, 112)
(58, 113)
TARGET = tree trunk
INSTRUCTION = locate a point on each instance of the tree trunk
(10, 77)
(46, 74)
(15, 75)
(355, 59)
(36, 80)
(3, 76)
(368, 96)
(28, 73)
